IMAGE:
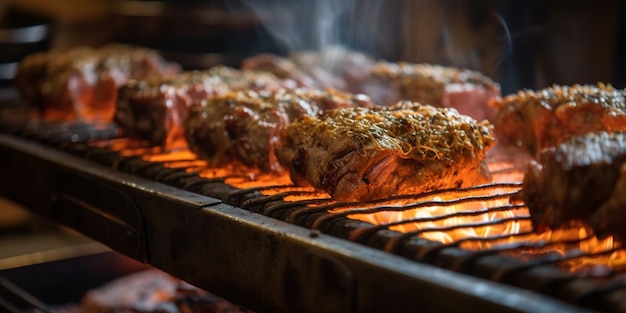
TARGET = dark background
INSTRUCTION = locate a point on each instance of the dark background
(521, 44)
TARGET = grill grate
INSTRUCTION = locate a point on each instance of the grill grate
(518, 257)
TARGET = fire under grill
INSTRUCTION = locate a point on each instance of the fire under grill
(272, 246)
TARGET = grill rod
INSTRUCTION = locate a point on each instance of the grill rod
(217, 246)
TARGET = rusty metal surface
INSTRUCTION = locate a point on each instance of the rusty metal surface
(257, 261)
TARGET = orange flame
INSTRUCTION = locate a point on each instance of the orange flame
(474, 218)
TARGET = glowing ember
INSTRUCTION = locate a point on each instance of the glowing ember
(174, 155)
(475, 218)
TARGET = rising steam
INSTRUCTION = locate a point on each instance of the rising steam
(304, 25)
(370, 26)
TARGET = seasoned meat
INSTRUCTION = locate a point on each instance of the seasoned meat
(281, 67)
(333, 67)
(82, 82)
(580, 181)
(534, 120)
(155, 110)
(243, 127)
(386, 83)
(363, 154)
(153, 291)
(462, 89)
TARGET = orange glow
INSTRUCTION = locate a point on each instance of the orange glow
(117, 144)
(476, 218)
(174, 155)
(501, 225)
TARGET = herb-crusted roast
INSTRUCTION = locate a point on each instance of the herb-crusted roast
(363, 154)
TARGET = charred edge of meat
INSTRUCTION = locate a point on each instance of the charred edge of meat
(363, 154)
(580, 181)
(534, 120)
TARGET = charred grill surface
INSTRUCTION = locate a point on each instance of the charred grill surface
(83, 82)
(363, 154)
(534, 120)
(244, 127)
(581, 180)
(155, 110)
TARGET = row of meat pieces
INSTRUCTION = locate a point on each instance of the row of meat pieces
(362, 151)
(83, 81)
(272, 116)
(239, 117)
(577, 136)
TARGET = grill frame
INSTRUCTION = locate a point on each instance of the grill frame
(215, 245)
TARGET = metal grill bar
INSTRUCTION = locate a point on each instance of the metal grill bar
(368, 230)
(323, 205)
(327, 216)
(216, 246)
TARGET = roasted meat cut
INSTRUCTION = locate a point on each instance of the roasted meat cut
(333, 67)
(363, 154)
(467, 91)
(534, 120)
(580, 181)
(154, 110)
(153, 291)
(82, 82)
(242, 128)
(281, 67)
(386, 83)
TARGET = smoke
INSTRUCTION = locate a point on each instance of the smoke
(304, 25)
(509, 41)
(366, 25)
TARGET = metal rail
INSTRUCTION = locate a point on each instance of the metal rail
(257, 261)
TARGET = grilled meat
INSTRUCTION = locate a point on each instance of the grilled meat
(333, 67)
(243, 127)
(386, 83)
(153, 291)
(534, 120)
(281, 67)
(83, 82)
(580, 181)
(155, 110)
(363, 154)
(462, 89)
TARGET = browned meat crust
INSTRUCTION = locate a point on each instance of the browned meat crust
(465, 90)
(363, 154)
(243, 128)
(83, 82)
(534, 120)
(155, 110)
(580, 181)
